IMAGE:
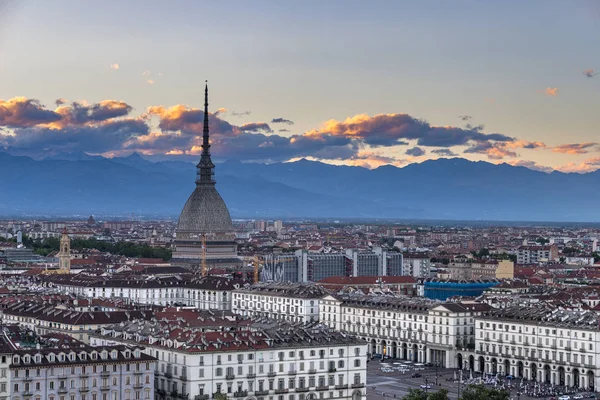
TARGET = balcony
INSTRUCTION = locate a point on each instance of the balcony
(162, 392)
(250, 376)
(261, 392)
(302, 389)
(358, 385)
(84, 389)
(27, 394)
(138, 372)
(322, 388)
(341, 386)
(62, 390)
(271, 374)
(201, 397)
(105, 388)
(230, 377)
(84, 375)
(104, 374)
(242, 393)
(183, 378)
(292, 372)
(280, 391)
(138, 385)
(168, 374)
(582, 350)
(312, 371)
(331, 370)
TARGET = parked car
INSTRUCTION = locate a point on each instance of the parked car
(416, 375)
(578, 396)
(564, 397)
(425, 386)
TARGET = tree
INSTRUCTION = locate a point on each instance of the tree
(480, 392)
(441, 394)
(419, 394)
(542, 241)
(415, 394)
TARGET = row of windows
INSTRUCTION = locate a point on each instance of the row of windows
(79, 370)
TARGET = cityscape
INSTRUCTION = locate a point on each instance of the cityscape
(193, 251)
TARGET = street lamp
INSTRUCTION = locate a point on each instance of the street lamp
(426, 384)
(437, 363)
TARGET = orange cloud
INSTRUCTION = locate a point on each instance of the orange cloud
(549, 91)
(20, 112)
(575, 148)
(589, 165)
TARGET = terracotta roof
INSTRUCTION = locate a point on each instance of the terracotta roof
(366, 280)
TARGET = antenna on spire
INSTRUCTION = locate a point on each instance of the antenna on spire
(205, 168)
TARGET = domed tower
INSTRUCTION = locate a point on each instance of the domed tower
(205, 233)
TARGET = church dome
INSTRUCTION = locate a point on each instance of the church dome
(205, 211)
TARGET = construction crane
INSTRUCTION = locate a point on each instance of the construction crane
(204, 266)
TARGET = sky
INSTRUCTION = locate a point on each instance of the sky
(346, 82)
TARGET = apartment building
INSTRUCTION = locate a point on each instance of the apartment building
(293, 302)
(82, 373)
(414, 329)
(281, 361)
(210, 292)
(539, 343)
(537, 254)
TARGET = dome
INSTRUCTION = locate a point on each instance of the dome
(205, 211)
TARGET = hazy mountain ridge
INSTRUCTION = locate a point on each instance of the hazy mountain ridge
(437, 189)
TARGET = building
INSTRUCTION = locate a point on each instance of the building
(537, 254)
(205, 230)
(210, 292)
(418, 330)
(417, 265)
(281, 361)
(540, 343)
(46, 319)
(505, 270)
(82, 373)
(293, 302)
(404, 285)
(5, 359)
(445, 289)
(304, 266)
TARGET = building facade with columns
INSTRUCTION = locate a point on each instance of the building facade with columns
(547, 345)
(415, 329)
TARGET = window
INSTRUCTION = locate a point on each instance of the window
(219, 372)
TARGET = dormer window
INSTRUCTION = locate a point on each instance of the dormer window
(83, 356)
(127, 354)
(26, 359)
(61, 357)
(51, 357)
(72, 356)
(38, 358)
(114, 354)
(104, 355)
(16, 360)
(137, 354)
(94, 356)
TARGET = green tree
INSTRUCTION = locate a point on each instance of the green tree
(415, 394)
(441, 394)
(419, 394)
(542, 241)
(480, 392)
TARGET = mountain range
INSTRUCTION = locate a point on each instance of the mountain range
(451, 189)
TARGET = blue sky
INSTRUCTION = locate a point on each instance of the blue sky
(515, 67)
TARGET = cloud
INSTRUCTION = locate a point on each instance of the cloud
(282, 121)
(241, 113)
(395, 129)
(415, 152)
(79, 113)
(20, 112)
(590, 73)
(60, 102)
(255, 127)
(589, 165)
(465, 117)
(576, 148)
(97, 138)
(549, 91)
(444, 152)
(494, 151)
(530, 164)
(147, 77)
(283, 130)
(220, 111)
(114, 67)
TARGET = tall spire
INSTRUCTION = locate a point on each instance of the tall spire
(205, 174)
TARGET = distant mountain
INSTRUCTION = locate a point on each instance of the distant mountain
(436, 189)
